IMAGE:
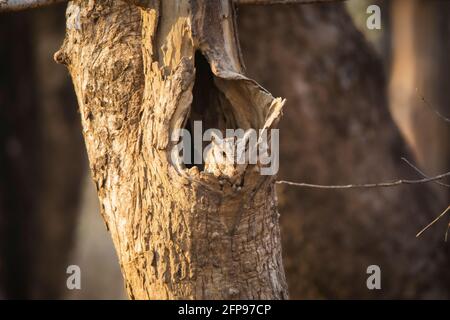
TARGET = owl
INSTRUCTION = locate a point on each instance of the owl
(224, 156)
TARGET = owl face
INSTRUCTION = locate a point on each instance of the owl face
(221, 157)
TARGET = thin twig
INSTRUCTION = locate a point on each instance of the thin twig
(440, 115)
(433, 222)
(366, 185)
(16, 5)
(446, 232)
(423, 174)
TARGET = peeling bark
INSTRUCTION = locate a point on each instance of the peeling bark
(185, 235)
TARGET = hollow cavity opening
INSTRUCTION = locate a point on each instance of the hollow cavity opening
(209, 110)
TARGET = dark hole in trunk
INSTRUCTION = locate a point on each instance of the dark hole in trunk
(209, 106)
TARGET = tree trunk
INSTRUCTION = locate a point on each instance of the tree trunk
(178, 235)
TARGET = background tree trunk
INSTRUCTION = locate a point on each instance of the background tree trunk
(18, 163)
(177, 235)
(41, 160)
(61, 158)
(421, 69)
(337, 129)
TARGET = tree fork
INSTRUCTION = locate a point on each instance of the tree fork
(178, 236)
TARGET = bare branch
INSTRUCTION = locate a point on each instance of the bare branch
(366, 185)
(440, 115)
(17, 5)
(446, 232)
(423, 174)
(433, 222)
(269, 2)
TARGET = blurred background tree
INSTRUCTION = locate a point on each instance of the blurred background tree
(421, 70)
(337, 129)
(42, 156)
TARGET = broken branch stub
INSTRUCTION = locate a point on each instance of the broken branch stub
(185, 235)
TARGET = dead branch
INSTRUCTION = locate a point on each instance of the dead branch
(434, 221)
(270, 2)
(17, 5)
(423, 174)
(440, 115)
(366, 185)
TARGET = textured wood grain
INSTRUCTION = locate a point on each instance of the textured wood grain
(178, 236)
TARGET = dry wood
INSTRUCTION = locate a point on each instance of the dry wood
(178, 236)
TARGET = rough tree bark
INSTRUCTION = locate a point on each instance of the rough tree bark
(177, 235)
